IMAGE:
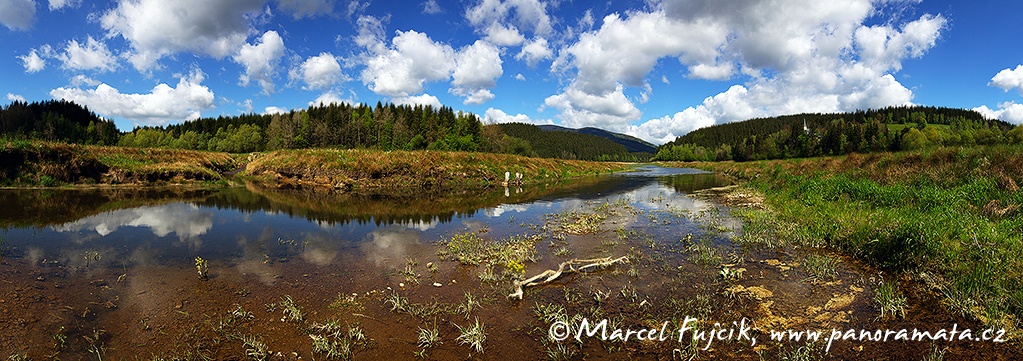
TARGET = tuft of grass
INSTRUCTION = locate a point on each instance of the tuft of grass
(292, 312)
(473, 335)
(429, 337)
(889, 300)
(255, 348)
(820, 267)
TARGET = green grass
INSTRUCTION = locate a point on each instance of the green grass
(889, 300)
(949, 213)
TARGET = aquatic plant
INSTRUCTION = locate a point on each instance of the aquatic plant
(292, 312)
(429, 337)
(473, 335)
(397, 302)
(472, 303)
(889, 300)
(820, 267)
(255, 348)
(202, 268)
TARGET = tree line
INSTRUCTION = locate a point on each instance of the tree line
(384, 127)
(810, 135)
(58, 121)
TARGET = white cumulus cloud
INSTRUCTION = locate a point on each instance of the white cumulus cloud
(260, 60)
(15, 97)
(319, 72)
(495, 116)
(329, 98)
(534, 51)
(92, 55)
(477, 68)
(274, 110)
(1009, 79)
(161, 106)
(529, 15)
(422, 99)
(1011, 112)
(158, 28)
(412, 60)
(33, 61)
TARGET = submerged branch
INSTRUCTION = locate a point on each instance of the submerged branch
(570, 266)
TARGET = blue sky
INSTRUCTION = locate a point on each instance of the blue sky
(654, 69)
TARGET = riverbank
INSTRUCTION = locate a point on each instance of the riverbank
(28, 164)
(944, 221)
(379, 171)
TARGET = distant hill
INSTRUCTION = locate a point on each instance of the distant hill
(633, 144)
(569, 144)
(809, 135)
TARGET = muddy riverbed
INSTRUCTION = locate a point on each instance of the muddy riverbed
(254, 274)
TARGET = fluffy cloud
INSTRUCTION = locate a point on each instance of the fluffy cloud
(1011, 112)
(422, 99)
(306, 8)
(504, 35)
(581, 109)
(477, 68)
(412, 60)
(33, 62)
(500, 21)
(534, 51)
(17, 14)
(158, 28)
(797, 56)
(15, 97)
(93, 55)
(319, 72)
(261, 60)
(160, 106)
(495, 116)
(274, 110)
(1008, 79)
(329, 98)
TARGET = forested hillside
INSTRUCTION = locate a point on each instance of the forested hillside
(382, 127)
(566, 144)
(808, 135)
(56, 120)
(633, 144)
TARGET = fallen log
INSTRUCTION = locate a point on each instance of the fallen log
(570, 266)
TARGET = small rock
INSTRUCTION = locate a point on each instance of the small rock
(453, 281)
(437, 284)
(401, 284)
(40, 278)
(429, 264)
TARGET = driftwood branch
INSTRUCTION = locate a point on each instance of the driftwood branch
(570, 266)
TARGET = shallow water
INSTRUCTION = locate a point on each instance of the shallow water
(112, 273)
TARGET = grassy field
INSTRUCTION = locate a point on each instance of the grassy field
(369, 169)
(35, 164)
(946, 219)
